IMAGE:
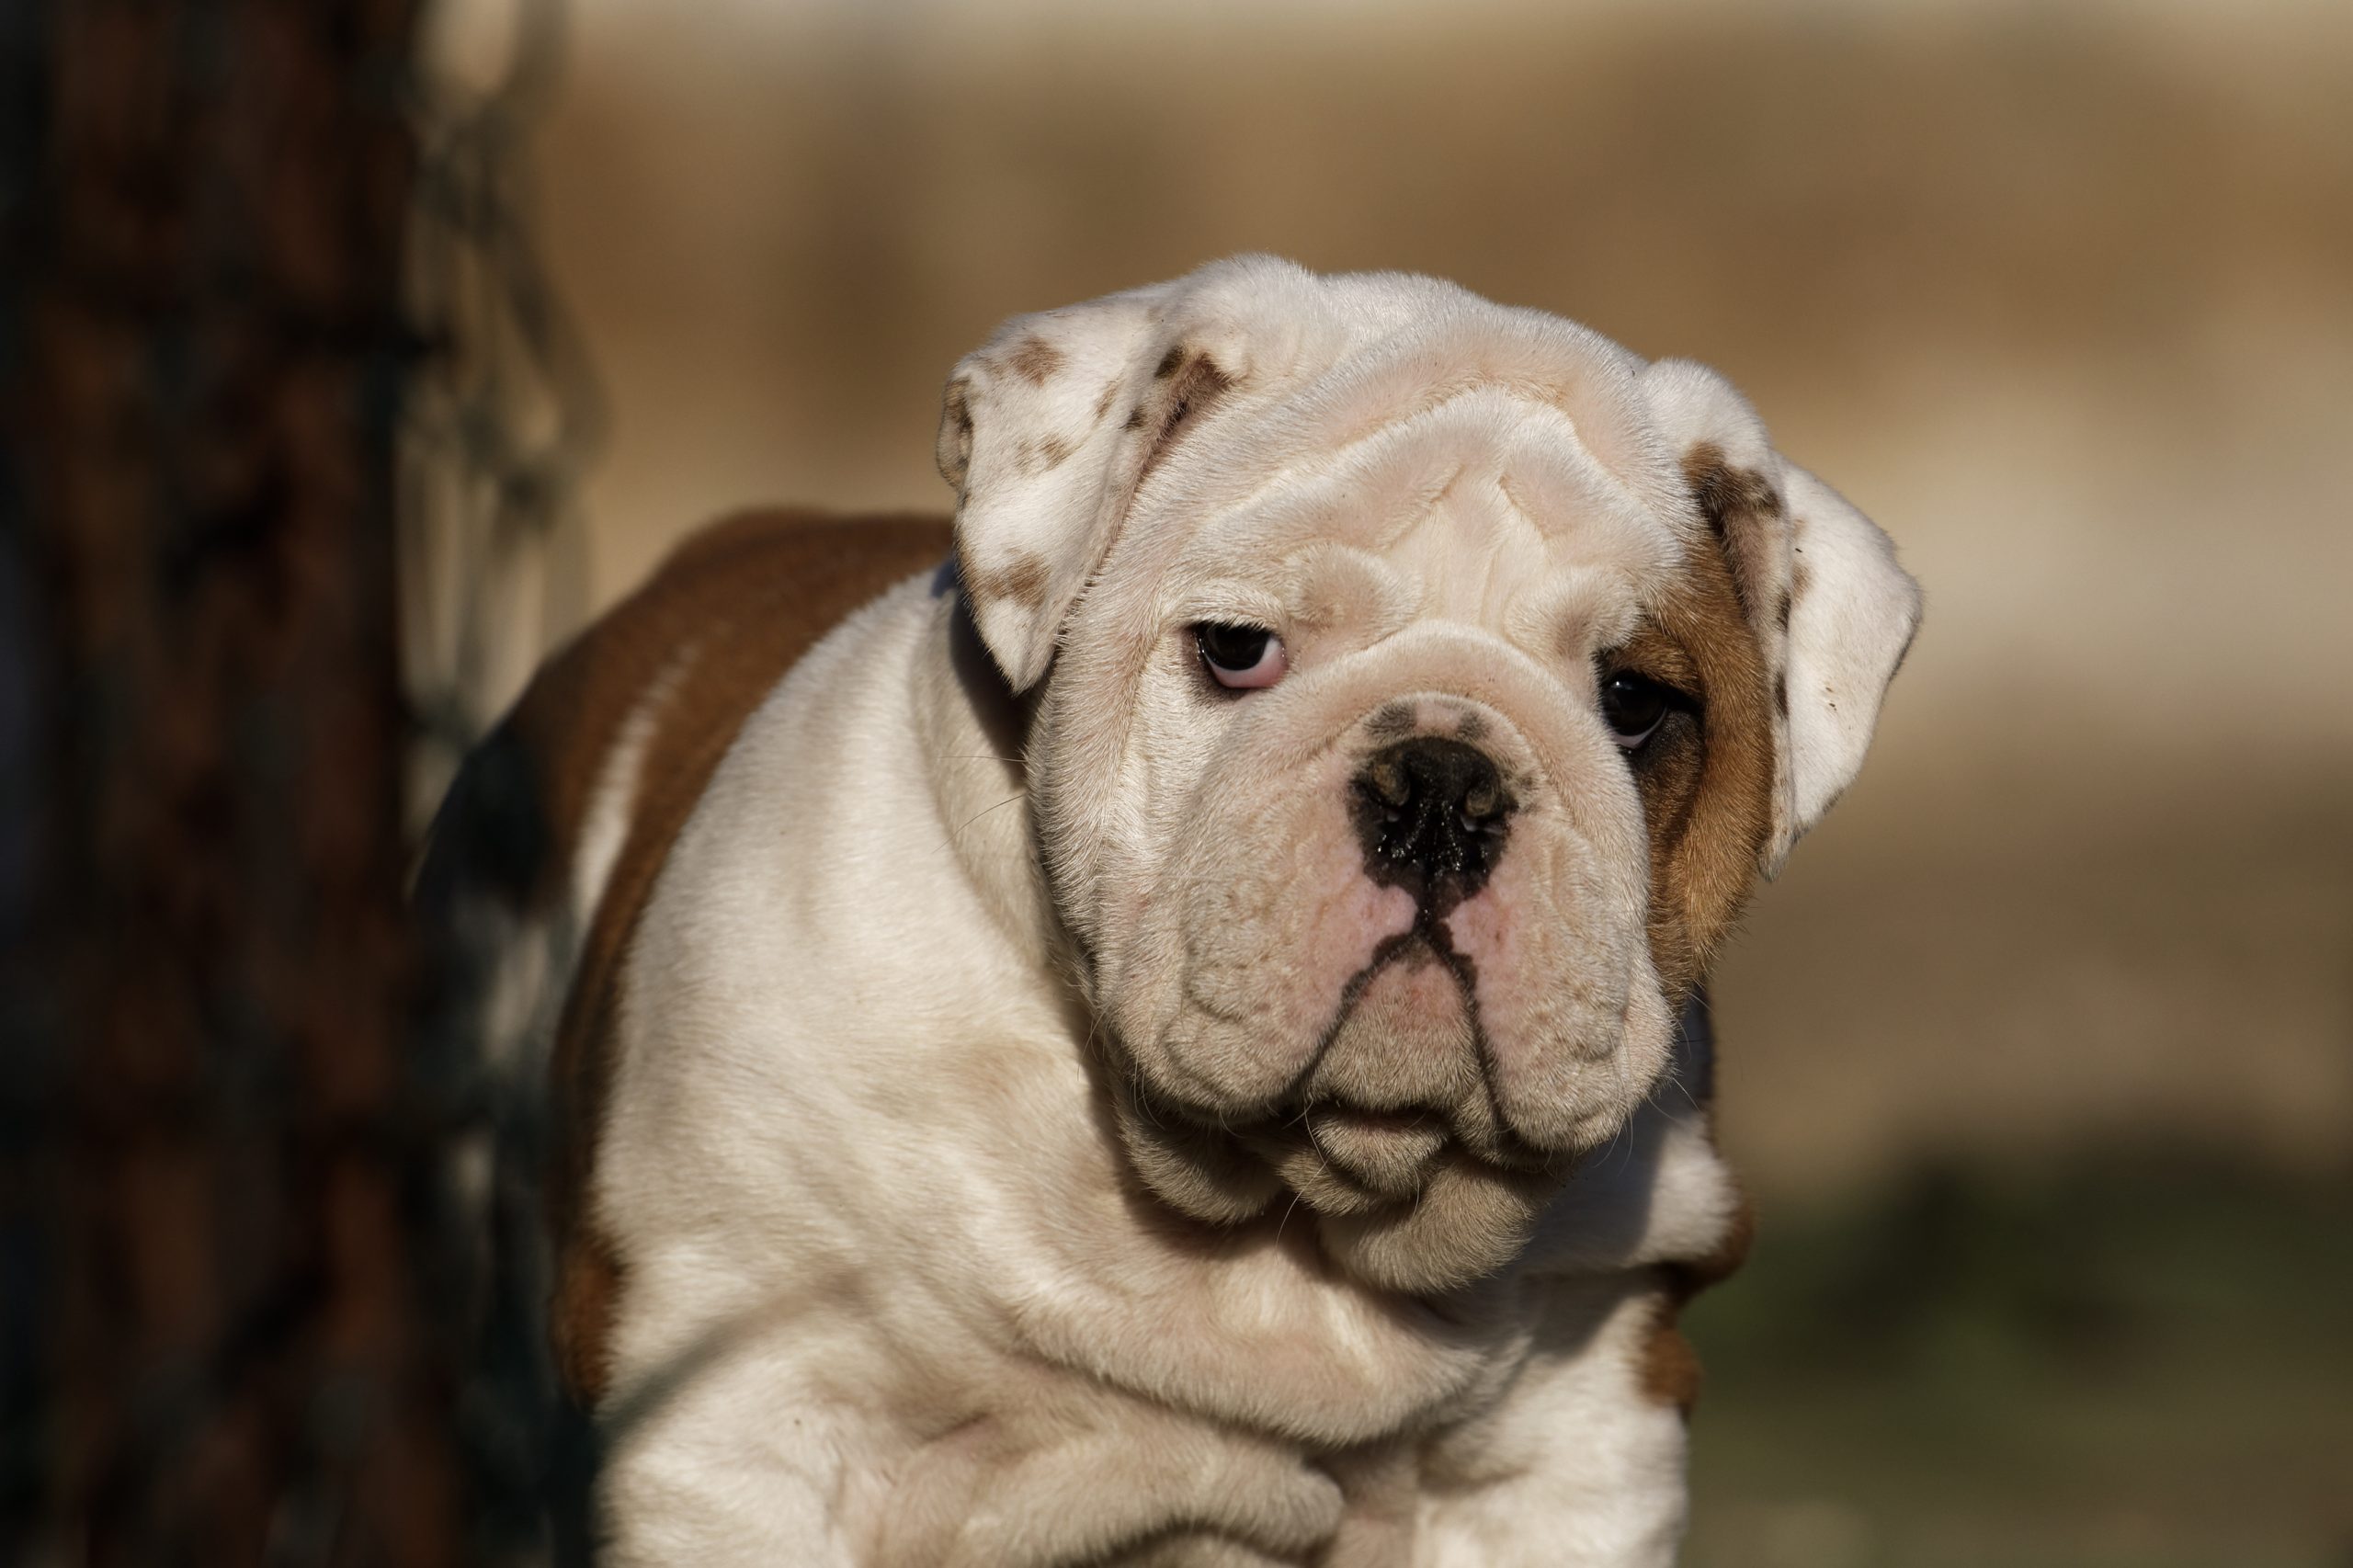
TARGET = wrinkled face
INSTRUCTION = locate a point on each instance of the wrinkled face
(1371, 806)
(1416, 710)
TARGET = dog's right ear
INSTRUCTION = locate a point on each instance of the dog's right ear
(1046, 432)
(1831, 609)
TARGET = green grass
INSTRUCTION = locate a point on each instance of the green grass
(2141, 1362)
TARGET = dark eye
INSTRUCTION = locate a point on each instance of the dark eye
(1634, 706)
(1241, 657)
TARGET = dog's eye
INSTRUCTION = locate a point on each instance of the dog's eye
(1241, 657)
(1634, 706)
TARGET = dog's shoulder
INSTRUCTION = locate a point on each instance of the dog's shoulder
(675, 668)
(561, 820)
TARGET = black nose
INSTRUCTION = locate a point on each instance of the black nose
(1430, 814)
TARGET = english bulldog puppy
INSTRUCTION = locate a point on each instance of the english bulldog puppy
(1173, 1034)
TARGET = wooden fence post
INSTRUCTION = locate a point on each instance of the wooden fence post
(217, 1172)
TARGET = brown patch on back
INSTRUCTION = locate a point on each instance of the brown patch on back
(1034, 359)
(748, 595)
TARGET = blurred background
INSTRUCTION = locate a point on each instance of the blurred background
(2039, 1056)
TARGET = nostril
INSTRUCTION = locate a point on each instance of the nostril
(1390, 783)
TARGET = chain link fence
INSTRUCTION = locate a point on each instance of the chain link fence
(503, 412)
(502, 415)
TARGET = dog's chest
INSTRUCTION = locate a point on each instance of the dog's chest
(1078, 1472)
(1061, 1466)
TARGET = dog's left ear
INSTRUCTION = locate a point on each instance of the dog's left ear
(1046, 433)
(1832, 610)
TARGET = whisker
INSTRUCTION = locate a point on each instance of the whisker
(1672, 1081)
(1286, 1219)
(985, 811)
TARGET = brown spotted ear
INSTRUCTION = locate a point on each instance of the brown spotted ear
(1046, 431)
(1831, 610)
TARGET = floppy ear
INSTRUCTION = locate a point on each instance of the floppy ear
(1831, 611)
(1853, 614)
(1046, 431)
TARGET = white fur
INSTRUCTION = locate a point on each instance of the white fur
(613, 804)
(1847, 637)
(895, 1293)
